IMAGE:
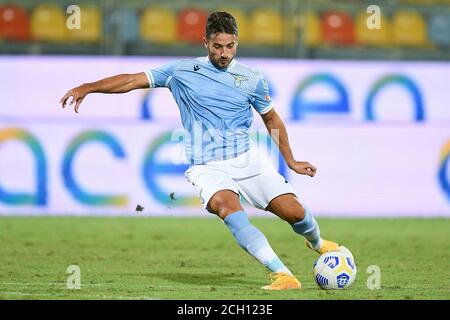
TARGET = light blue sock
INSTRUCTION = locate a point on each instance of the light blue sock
(309, 228)
(253, 241)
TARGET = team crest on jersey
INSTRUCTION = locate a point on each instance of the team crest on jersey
(238, 79)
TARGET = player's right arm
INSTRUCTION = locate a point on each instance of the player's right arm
(121, 83)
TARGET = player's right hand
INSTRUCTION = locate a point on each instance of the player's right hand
(77, 95)
(302, 167)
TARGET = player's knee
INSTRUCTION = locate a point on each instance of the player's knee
(296, 214)
(222, 206)
(226, 209)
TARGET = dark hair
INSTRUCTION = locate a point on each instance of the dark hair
(222, 22)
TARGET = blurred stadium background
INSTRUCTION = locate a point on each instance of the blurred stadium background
(369, 108)
(412, 29)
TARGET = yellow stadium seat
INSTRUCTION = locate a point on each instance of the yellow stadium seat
(292, 28)
(90, 27)
(311, 30)
(409, 29)
(266, 27)
(159, 25)
(372, 37)
(241, 20)
(48, 23)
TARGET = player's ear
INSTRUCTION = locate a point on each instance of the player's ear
(205, 42)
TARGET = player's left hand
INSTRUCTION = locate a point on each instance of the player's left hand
(305, 168)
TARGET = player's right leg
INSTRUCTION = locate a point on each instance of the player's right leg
(226, 205)
(219, 195)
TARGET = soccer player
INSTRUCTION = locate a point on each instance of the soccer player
(215, 96)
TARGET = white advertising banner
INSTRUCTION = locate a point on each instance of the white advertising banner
(89, 168)
(379, 133)
(354, 91)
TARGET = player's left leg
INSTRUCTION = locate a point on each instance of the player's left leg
(288, 207)
(270, 191)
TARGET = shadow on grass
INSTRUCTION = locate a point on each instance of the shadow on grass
(217, 279)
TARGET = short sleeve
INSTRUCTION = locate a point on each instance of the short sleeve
(261, 100)
(160, 77)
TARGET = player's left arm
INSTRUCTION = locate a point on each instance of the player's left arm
(277, 130)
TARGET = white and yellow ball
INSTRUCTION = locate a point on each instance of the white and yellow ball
(335, 269)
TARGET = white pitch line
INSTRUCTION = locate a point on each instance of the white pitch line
(78, 296)
(30, 284)
(47, 284)
(25, 284)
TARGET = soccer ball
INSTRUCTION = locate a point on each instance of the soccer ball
(335, 269)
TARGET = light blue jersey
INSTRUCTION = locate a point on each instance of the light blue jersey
(215, 105)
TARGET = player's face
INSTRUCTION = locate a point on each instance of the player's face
(221, 48)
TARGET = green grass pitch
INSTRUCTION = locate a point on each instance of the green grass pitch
(197, 258)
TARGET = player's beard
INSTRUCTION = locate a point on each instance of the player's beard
(222, 63)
